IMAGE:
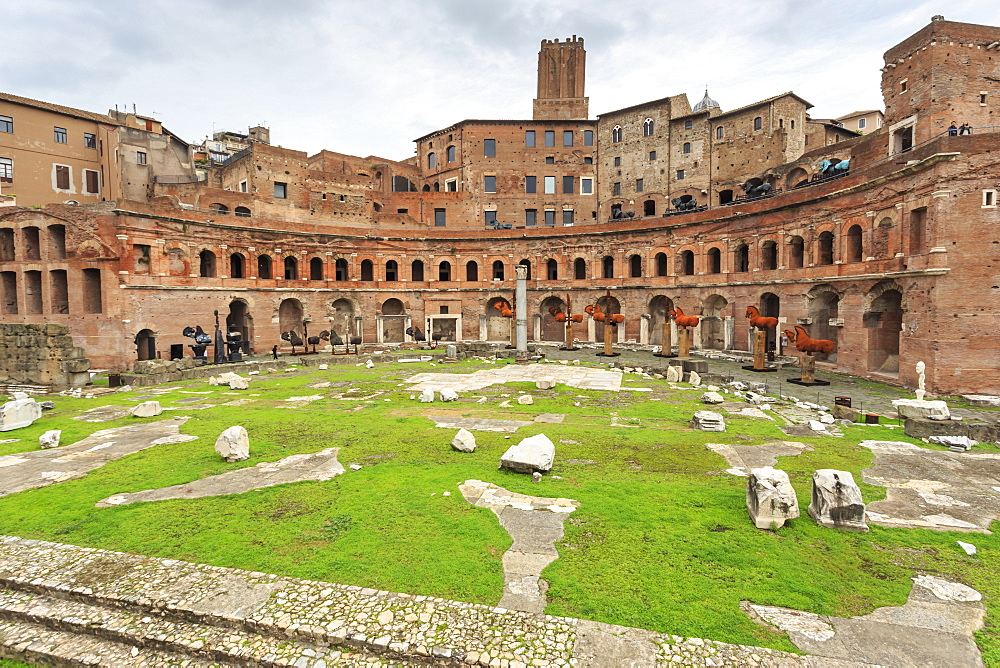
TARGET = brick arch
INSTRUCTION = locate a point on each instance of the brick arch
(880, 289)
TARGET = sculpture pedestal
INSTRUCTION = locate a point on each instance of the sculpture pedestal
(684, 342)
(759, 352)
(807, 372)
(667, 347)
(513, 336)
(569, 336)
(607, 342)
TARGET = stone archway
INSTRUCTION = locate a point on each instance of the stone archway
(393, 320)
(145, 345)
(883, 319)
(240, 320)
(497, 326)
(824, 311)
(341, 316)
(770, 307)
(658, 308)
(551, 329)
(611, 306)
(713, 323)
(290, 317)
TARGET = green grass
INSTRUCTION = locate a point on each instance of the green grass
(661, 539)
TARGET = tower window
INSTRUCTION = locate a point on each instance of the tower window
(490, 148)
(616, 134)
(647, 127)
(529, 138)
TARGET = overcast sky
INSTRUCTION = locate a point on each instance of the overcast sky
(366, 78)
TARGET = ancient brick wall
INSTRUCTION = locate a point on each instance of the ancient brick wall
(42, 355)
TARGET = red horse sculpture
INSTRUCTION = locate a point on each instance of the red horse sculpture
(683, 320)
(505, 310)
(758, 321)
(806, 345)
(600, 316)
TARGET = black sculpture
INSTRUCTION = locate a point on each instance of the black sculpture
(415, 333)
(682, 204)
(293, 338)
(201, 341)
(315, 340)
(758, 190)
(234, 341)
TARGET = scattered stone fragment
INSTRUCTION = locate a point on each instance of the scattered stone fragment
(50, 439)
(427, 396)
(770, 498)
(464, 441)
(239, 383)
(481, 400)
(355, 467)
(694, 378)
(954, 443)
(982, 400)
(712, 398)
(708, 421)
(545, 383)
(917, 408)
(536, 477)
(322, 367)
(20, 412)
(816, 425)
(233, 444)
(836, 501)
(535, 453)
(525, 400)
(673, 374)
(369, 364)
(969, 548)
(47, 405)
(147, 409)
(449, 395)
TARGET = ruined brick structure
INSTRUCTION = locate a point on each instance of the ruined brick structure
(896, 258)
(42, 354)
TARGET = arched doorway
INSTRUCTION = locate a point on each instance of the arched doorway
(610, 306)
(393, 321)
(713, 323)
(290, 318)
(770, 307)
(145, 345)
(341, 316)
(658, 307)
(497, 326)
(884, 322)
(240, 320)
(824, 306)
(552, 330)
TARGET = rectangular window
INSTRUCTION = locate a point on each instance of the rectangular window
(550, 218)
(567, 216)
(450, 151)
(588, 137)
(6, 124)
(586, 186)
(62, 177)
(680, 174)
(639, 185)
(530, 217)
(59, 135)
(439, 218)
(243, 188)
(489, 184)
(530, 184)
(567, 185)
(490, 148)
(529, 138)
(588, 160)
(616, 189)
(93, 179)
(652, 156)
(451, 186)
(140, 158)
(550, 137)
(89, 140)
(6, 170)
(618, 161)
(567, 137)
(688, 125)
(280, 190)
(550, 185)
(862, 122)
(550, 160)
(491, 218)
(989, 198)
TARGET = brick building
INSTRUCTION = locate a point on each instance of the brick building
(888, 247)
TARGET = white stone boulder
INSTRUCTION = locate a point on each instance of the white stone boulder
(17, 396)
(427, 396)
(323, 367)
(369, 364)
(147, 409)
(50, 439)
(19, 413)
(694, 378)
(954, 443)
(212, 380)
(532, 454)
(917, 408)
(708, 421)
(673, 374)
(233, 444)
(464, 441)
(525, 400)
(449, 395)
(545, 383)
(836, 501)
(712, 398)
(770, 498)
(817, 426)
(983, 400)
(239, 383)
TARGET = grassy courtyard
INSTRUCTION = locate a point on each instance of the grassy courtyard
(661, 539)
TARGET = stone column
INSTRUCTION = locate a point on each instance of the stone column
(521, 307)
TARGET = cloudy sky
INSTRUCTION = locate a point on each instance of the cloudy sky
(366, 78)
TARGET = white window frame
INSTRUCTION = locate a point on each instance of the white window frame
(549, 185)
(989, 199)
(586, 186)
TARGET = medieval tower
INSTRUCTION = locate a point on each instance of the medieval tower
(561, 71)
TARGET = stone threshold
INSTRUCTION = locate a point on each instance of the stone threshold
(69, 605)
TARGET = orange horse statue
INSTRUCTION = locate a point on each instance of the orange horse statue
(806, 345)
(600, 316)
(683, 320)
(758, 321)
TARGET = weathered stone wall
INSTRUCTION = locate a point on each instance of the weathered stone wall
(41, 354)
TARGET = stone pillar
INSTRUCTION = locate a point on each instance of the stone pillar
(482, 327)
(521, 307)
(644, 329)
(759, 348)
(591, 330)
(807, 369)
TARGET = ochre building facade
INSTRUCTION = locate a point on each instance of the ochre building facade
(888, 243)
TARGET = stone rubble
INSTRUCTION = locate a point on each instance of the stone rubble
(20, 412)
(448, 394)
(708, 421)
(50, 439)
(836, 501)
(535, 453)
(464, 441)
(147, 409)
(954, 443)
(770, 498)
(233, 444)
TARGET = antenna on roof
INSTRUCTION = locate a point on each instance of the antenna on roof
(133, 108)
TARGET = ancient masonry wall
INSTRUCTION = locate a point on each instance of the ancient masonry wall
(41, 354)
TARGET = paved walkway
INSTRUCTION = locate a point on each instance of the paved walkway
(584, 378)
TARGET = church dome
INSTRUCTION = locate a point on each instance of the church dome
(706, 103)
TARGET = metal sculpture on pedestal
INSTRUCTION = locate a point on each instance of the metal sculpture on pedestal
(417, 335)
(234, 341)
(315, 340)
(220, 355)
(685, 329)
(201, 341)
(807, 363)
(568, 318)
(611, 322)
(293, 338)
(666, 342)
(760, 326)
